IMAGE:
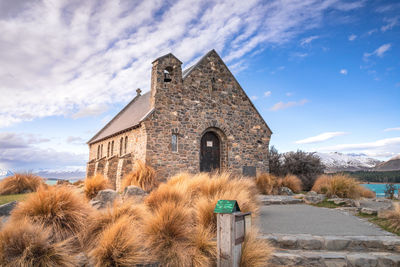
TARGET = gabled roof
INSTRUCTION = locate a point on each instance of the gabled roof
(129, 117)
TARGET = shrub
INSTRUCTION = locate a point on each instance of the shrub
(20, 183)
(166, 193)
(120, 244)
(95, 184)
(365, 192)
(203, 247)
(267, 183)
(292, 182)
(341, 185)
(26, 244)
(78, 183)
(255, 252)
(321, 185)
(393, 217)
(142, 176)
(61, 209)
(167, 231)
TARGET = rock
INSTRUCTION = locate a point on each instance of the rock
(63, 182)
(362, 260)
(133, 191)
(345, 202)
(6, 209)
(314, 198)
(369, 211)
(104, 198)
(285, 191)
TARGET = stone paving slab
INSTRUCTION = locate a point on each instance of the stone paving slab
(329, 258)
(279, 200)
(335, 243)
(306, 219)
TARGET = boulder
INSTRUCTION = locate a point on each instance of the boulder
(369, 211)
(63, 182)
(6, 209)
(133, 191)
(104, 198)
(314, 198)
(285, 191)
(345, 202)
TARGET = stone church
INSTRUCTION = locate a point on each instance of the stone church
(196, 120)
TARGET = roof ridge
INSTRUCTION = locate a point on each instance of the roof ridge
(187, 71)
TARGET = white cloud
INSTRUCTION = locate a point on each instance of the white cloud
(289, 94)
(308, 40)
(391, 22)
(392, 129)
(254, 97)
(320, 138)
(91, 110)
(352, 37)
(282, 105)
(63, 56)
(380, 51)
(267, 93)
(343, 71)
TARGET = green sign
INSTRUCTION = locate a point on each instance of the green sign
(226, 206)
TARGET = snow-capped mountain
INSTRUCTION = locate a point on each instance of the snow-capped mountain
(336, 161)
(392, 164)
(5, 173)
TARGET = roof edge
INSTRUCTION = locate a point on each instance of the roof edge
(191, 68)
(167, 55)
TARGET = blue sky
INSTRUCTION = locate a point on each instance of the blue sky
(325, 75)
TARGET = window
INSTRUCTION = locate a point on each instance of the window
(108, 149)
(174, 143)
(101, 151)
(126, 143)
(120, 145)
(112, 148)
(98, 151)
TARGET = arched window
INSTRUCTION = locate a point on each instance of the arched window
(174, 142)
(98, 151)
(126, 143)
(108, 149)
(101, 151)
(120, 145)
(112, 148)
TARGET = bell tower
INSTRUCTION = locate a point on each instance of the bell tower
(166, 78)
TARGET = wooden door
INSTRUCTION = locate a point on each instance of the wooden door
(209, 152)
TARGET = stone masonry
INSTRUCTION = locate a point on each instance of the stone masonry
(204, 98)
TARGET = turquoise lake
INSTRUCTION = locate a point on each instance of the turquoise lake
(379, 189)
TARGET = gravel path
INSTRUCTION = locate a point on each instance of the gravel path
(306, 219)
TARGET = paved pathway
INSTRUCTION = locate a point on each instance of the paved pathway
(306, 219)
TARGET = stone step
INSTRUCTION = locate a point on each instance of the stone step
(334, 258)
(279, 200)
(389, 243)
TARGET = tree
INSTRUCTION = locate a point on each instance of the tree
(306, 166)
(275, 162)
(390, 190)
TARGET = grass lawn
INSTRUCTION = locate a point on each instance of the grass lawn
(8, 198)
(381, 222)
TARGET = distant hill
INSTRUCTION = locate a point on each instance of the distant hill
(338, 162)
(73, 175)
(5, 173)
(391, 165)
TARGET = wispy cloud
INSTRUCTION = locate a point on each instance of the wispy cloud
(320, 138)
(392, 129)
(254, 97)
(352, 37)
(343, 71)
(78, 54)
(284, 105)
(267, 93)
(308, 40)
(390, 23)
(380, 51)
(289, 94)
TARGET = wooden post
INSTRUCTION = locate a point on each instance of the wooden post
(230, 236)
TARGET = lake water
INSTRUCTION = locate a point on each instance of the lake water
(379, 189)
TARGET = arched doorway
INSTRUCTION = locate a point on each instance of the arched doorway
(210, 152)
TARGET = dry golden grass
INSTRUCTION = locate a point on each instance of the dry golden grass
(102, 219)
(292, 182)
(167, 231)
(393, 217)
(78, 183)
(255, 252)
(165, 193)
(61, 209)
(24, 244)
(95, 184)
(267, 184)
(321, 185)
(341, 185)
(203, 247)
(20, 183)
(120, 244)
(142, 176)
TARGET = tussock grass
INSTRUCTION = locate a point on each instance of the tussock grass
(255, 252)
(24, 244)
(120, 244)
(20, 183)
(341, 185)
(393, 217)
(292, 182)
(203, 247)
(61, 209)
(95, 184)
(142, 176)
(267, 184)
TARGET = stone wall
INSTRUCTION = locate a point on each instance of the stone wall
(208, 99)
